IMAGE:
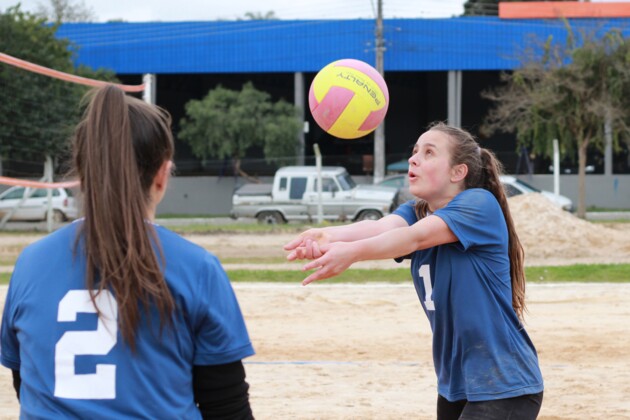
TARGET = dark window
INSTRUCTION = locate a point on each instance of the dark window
(15, 194)
(511, 190)
(298, 186)
(42, 193)
(328, 185)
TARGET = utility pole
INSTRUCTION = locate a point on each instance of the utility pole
(379, 134)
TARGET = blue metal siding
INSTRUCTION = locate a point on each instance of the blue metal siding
(464, 43)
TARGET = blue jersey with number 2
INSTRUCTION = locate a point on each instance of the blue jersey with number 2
(480, 349)
(74, 364)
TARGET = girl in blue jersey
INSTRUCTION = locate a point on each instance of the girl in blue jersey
(467, 268)
(114, 316)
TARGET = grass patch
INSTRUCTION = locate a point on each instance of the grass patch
(610, 221)
(582, 273)
(596, 209)
(8, 260)
(254, 260)
(22, 232)
(358, 276)
(190, 216)
(205, 228)
(4, 278)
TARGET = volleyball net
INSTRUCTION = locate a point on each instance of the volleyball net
(39, 108)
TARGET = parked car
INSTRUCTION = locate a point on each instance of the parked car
(513, 186)
(293, 195)
(35, 207)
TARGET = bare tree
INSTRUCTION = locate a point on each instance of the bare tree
(270, 15)
(59, 11)
(566, 92)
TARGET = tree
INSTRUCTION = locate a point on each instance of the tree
(228, 123)
(64, 11)
(566, 92)
(270, 15)
(37, 113)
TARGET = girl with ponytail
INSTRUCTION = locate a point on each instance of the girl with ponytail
(467, 268)
(114, 316)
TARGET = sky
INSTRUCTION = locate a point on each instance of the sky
(180, 10)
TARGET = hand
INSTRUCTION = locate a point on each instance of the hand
(338, 256)
(310, 250)
(307, 245)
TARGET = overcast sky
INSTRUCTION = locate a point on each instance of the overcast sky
(172, 10)
(177, 10)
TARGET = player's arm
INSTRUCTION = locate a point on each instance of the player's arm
(338, 256)
(346, 233)
(221, 391)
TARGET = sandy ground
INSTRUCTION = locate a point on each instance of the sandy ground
(364, 351)
(361, 352)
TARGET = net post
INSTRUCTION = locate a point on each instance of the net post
(149, 81)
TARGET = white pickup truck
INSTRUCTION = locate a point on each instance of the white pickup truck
(294, 196)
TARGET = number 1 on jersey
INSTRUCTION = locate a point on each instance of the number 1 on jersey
(425, 273)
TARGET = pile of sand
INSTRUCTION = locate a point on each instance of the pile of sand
(547, 231)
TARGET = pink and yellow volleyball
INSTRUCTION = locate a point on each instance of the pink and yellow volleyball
(348, 98)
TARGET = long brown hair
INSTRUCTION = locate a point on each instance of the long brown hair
(118, 148)
(484, 171)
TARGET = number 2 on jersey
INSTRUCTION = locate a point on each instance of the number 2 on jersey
(425, 274)
(99, 385)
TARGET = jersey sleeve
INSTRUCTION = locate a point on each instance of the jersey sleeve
(408, 212)
(475, 217)
(220, 332)
(9, 345)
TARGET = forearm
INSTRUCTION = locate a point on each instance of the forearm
(364, 229)
(336, 257)
(387, 245)
(221, 391)
(426, 233)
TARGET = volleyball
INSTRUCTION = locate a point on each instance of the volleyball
(348, 98)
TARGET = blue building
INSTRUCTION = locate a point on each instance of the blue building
(435, 69)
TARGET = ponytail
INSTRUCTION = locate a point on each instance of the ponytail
(119, 146)
(491, 169)
(484, 171)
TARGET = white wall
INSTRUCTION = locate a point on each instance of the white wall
(213, 195)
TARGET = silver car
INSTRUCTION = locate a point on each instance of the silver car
(36, 206)
(512, 185)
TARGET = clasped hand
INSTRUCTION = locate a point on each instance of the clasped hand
(329, 258)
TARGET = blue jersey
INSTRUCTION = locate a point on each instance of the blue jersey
(480, 349)
(75, 364)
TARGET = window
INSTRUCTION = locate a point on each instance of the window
(511, 190)
(283, 184)
(298, 186)
(15, 194)
(43, 193)
(346, 181)
(328, 185)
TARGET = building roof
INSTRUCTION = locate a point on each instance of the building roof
(463, 43)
